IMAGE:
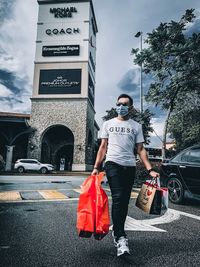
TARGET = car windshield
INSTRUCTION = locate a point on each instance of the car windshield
(191, 155)
(176, 158)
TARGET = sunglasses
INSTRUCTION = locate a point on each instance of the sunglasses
(121, 104)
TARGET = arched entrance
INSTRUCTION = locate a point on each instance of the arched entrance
(58, 147)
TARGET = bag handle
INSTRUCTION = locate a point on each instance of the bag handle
(155, 182)
(99, 177)
(158, 181)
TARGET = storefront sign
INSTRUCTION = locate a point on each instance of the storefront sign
(63, 12)
(60, 81)
(62, 31)
(60, 50)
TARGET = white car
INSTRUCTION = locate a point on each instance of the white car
(22, 165)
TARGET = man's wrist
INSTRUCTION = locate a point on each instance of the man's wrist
(96, 168)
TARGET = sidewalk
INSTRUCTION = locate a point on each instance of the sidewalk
(54, 173)
(137, 183)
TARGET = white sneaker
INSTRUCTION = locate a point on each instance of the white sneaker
(122, 246)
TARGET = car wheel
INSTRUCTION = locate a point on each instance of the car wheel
(43, 170)
(20, 169)
(176, 190)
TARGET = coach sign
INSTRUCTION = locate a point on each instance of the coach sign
(62, 31)
(60, 81)
(60, 50)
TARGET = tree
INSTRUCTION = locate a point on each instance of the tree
(185, 124)
(143, 118)
(173, 59)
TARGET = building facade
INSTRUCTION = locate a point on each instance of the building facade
(64, 85)
(14, 133)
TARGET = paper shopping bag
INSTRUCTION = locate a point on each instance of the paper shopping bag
(160, 201)
(157, 203)
(145, 197)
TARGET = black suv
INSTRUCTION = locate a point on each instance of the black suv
(181, 174)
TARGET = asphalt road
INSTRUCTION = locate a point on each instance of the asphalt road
(43, 233)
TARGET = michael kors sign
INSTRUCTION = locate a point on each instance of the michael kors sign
(63, 12)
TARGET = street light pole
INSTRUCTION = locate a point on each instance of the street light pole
(141, 88)
(139, 34)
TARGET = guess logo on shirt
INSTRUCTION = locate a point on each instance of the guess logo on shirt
(122, 130)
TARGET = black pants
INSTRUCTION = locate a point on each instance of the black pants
(120, 179)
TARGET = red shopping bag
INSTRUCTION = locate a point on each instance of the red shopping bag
(93, 210)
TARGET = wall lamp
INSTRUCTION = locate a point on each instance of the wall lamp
(79, 147)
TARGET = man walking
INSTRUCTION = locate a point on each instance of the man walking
(119, 137)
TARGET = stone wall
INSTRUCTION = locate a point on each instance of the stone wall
(75, 114)
(90, 129)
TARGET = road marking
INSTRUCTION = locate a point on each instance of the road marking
(42, 200)
(132, 224)
(171, 215)
(52, 194)
(77, 190)
(186, 214)
(140, 225)
(47, 194)
(146, 225)
(10, 196)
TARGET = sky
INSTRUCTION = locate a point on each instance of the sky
(118, 22)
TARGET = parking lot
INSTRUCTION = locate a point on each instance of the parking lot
(44, 231)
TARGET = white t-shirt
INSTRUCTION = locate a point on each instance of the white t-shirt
(122, 137)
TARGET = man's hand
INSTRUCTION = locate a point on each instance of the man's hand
(95, 171)
(154, 174)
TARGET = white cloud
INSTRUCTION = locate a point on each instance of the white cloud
(10, 63)
(17, 42)
(23, 107)
(17, 50)
(158, 125)
(4, 91)
(117, 21)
